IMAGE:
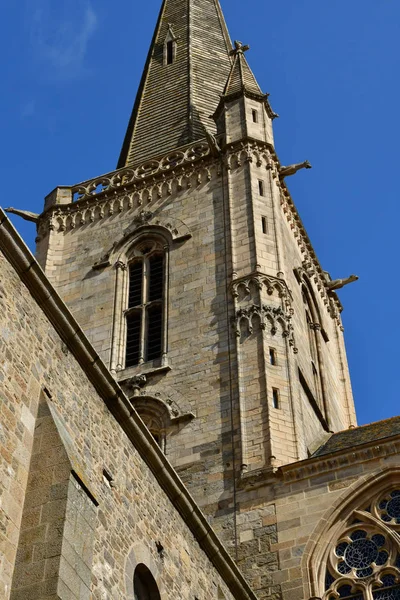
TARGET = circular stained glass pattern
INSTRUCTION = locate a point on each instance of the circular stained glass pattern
(389, 507)
(361, 554)
(393, 508)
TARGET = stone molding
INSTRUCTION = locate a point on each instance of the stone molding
(266, 314)
(272, 315)
(260, 280)
(130, 188)
(170, 407)
(145, 221)
(28, 269)
(133, 187)
(127, 176)
(332, 302)
(314, 467)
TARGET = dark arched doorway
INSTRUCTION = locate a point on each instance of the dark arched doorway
(144, 584)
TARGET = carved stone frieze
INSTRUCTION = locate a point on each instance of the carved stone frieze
(271, 319)
(261, 281)
(151, 169)
(131, 188)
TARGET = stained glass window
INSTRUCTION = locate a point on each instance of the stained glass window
(365, 561)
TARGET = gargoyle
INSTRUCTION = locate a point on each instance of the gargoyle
(337, 284)
(215, 150)
(25, 214)
(292, 169)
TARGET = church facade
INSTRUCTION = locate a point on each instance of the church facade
(186, 428)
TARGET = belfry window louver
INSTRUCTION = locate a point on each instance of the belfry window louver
(144, 315)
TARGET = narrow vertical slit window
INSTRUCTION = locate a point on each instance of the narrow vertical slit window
(313, 322)
(275, 398)
(254, 114)
(264, 225)
(261, 187)
(272, 357)
(144, 314)
(170, 52)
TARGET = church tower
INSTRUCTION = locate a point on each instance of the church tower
(190, 271)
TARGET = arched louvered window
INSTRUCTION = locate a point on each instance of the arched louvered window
(146, 297)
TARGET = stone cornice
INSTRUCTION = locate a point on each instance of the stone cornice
(314, 467)
(341, 459)
(131, 187)
(30, 273)
(259, 97)
(260, 280)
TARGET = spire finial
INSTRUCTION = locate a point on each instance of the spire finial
(239, 48)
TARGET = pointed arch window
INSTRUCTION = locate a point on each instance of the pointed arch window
(170, 47)
(364, 562)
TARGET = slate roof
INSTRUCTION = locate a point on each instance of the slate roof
(351, 438)
(174, 101)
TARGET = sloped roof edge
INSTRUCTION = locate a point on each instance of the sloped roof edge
(27, 268)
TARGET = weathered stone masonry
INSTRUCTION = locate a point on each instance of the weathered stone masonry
(61, 446)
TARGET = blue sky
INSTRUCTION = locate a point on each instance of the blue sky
(69, 76)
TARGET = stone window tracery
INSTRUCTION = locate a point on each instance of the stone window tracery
(364, 562)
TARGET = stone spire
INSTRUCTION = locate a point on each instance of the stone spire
(188, 64)
(241, 77)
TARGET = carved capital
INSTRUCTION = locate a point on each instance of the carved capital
(135, 383)
(142, 218)
(120, 265)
